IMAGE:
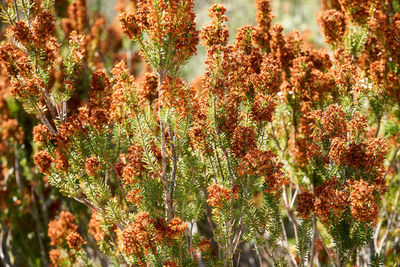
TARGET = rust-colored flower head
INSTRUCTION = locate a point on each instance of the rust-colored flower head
(148, 91)
(264, 19)
(330, 4)
(216, 33)
(137, 238)
(61, 228)
(99, 118)
(263, 109)
(164, 21)
(269, 80)
(358, 11)
(204, 244)
(41, 134)
(131, 24)
(130, 174)
(305, 204)
(134, 160)
(43, 26)
(363, 206)
(95, 228)
(332, 123)
(170, 264)
(338, 150)
(54, 256)
(263, 164)
(14, 60)
(176, 227)
(61, 161)
(134, 196)
(357, 127)
(333, 26)
(75, 241)
(29, 88)
(77, 18)
(21, 32)
(43, 160)
(218, 196)
(92, 166)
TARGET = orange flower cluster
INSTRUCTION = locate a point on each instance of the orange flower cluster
(358, 11)
(100, 100)
(14, 60)
(270, 78)
(305, 204)
(77, 17)
(216, 33)
(76, 125)
(170, 264)
(311, 77)
(137, 237)
(263, 164)
(167, 23)
(75, 241)
(218, 195)
(148, 92)
(54, 256)
(134, 196)
(175, 94)
(92, 166)
(36, 37)
(142, 235)
(95, 228)
(243, 141)
(341, 139)
(11, 131)
(122, 105)
(329, 124)
(135, 167)
(43, 160)
(380, 54)
(59, 229)
(363, 206)
(41, 134)
(200, 129)
(333, 25)
(264, 19)
(330, 201)
(204, 244)
(344, 142)
(263, 109)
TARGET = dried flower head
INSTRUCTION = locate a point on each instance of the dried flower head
(54, 256)
(95, 228)
(61, 228)
(216, 33)
(218, 196)
(92, 165)
(75, 241)
(305, 204)
(41, 134)
(264, 19)
(43, 160)
(333, 26)
(363, 206)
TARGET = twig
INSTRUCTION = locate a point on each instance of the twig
(391, 162)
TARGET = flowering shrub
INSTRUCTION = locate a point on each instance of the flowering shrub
(282, 155)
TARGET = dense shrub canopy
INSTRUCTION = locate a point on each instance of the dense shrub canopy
(282, 153)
